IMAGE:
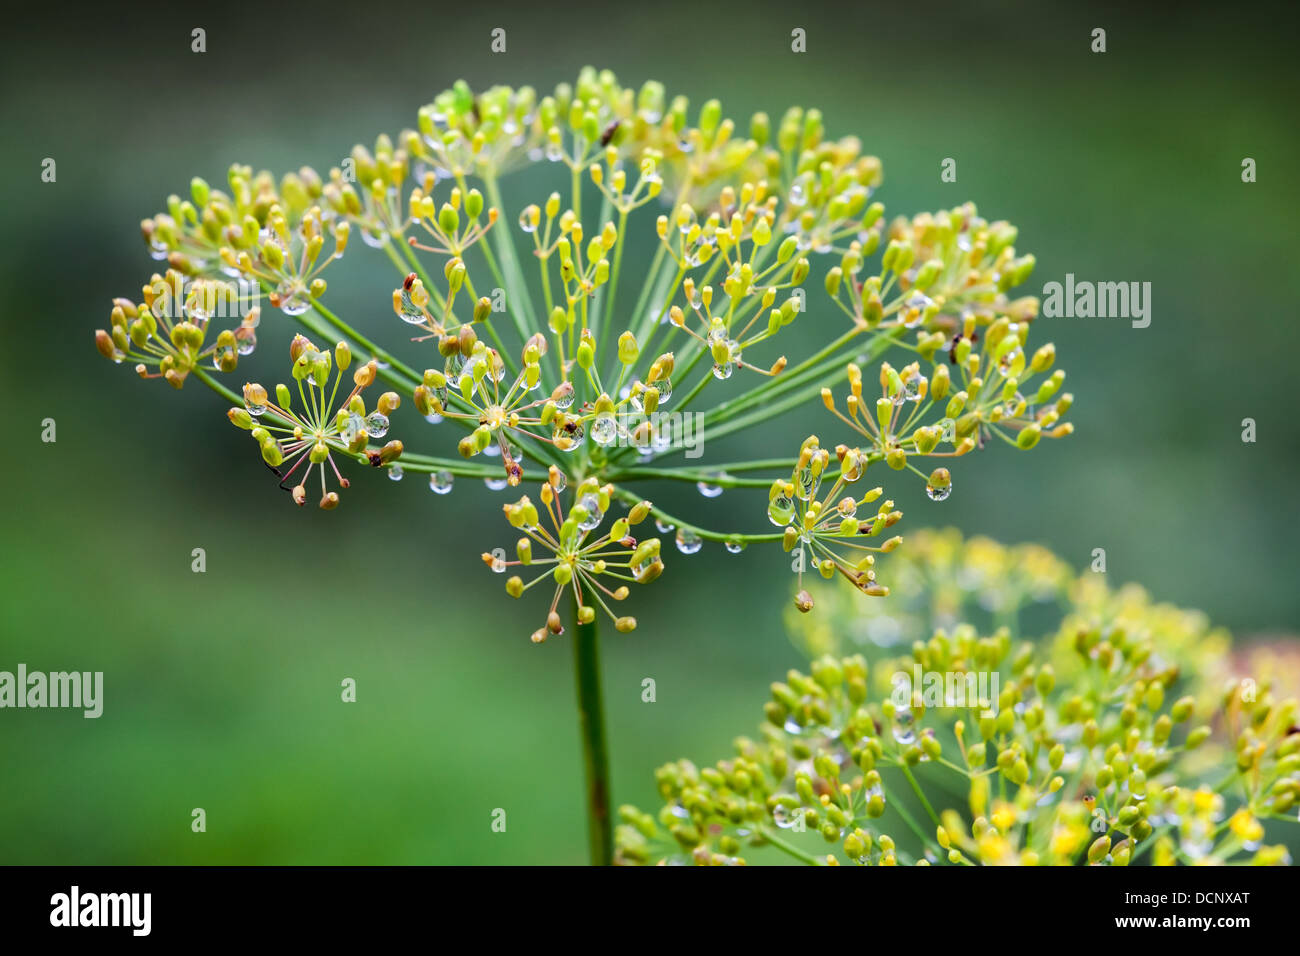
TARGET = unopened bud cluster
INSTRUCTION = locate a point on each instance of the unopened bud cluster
(1106, 743)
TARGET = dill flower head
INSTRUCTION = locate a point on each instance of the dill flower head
(831, 527)
(578, 555)
(166, 334)
(1104, 743)
(666, 278)
(309, 437)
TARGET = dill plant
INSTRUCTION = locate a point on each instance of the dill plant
(553, 364)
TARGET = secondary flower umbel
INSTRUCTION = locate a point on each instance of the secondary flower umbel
(580, 557)
(311, 436)
(829, 531)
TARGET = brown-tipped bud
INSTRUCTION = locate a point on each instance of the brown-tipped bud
(640, 511)
(650, 572)
(803, 601)
(254, 395)
(465, 340)
(104, 343)
(364, 376)
(563, 393)
(330, 501)
(299, 495)
(298, 346)
(553, 623)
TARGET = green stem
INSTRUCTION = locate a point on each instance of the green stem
(916, 788)
(591, 719)
(793, 851)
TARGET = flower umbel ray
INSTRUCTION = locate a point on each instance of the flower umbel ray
(311, 436)
(579, 557)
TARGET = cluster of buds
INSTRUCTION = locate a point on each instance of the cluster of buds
(940, 580)
(747, 313)
(291, 439)
(456, 225)
(167, 333)
(1108, 744)
(374, 204)
(580, 555)
(827, 528)
(916, 416)
(257, 231)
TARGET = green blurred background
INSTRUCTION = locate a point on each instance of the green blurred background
(222, 689)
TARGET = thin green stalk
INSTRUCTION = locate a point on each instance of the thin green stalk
(784, 847)
(916, 788)
(518, 302)
(591, 721)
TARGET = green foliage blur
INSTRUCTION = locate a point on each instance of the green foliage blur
(222, 690)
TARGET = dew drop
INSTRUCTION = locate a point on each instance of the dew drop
(440, 482)
(410, 313)
(570, 436)
(452, 368)
(592, 507)
(374, 238)
(904, 727)
(395, 472)
(663, 526)
(937, 494)
(293, 298)
(914, 309)
(688, 542)
(353, 427)
(780, 510)
(708, 490)
(494, 484)
(376, 424)
(604, 429)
